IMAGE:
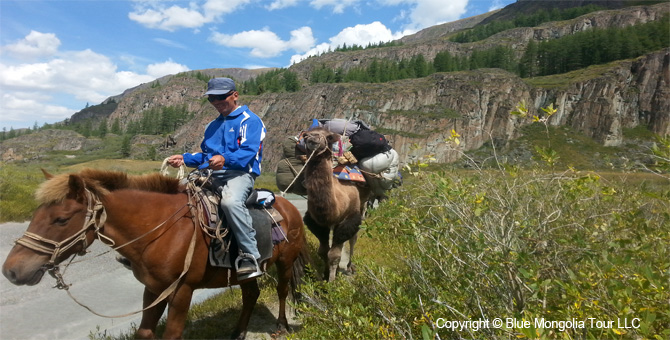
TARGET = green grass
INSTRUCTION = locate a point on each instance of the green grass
(17, 186)
(18, 182)
(564, 80)
(267, 181)
(572, 148)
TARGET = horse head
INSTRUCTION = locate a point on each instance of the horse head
(59, 228)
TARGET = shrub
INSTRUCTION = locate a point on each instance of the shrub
(17, 185)
(520, 245)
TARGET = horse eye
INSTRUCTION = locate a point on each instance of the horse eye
(61, 220)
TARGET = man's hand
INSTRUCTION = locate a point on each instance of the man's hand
(217, 162)
(176, 161)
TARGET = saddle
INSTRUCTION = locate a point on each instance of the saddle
(223, 249)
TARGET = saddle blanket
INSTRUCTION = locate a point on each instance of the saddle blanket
(268, 234)
(348, 173)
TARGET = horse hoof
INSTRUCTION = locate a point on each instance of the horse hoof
(282, 328)
(238, 335)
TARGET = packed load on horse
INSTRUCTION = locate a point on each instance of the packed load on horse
(361, 155)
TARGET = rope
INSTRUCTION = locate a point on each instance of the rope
(277, 224)
(283, 193)
(187, 264)
(165, 172)
(371, 174)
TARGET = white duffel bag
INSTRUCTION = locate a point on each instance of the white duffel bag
(384, 164)
(379, 162)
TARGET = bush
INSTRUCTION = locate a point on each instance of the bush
(504, 244)
(17, 185)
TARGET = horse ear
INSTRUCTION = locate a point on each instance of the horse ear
(332, 138)
(77, 187)
(46, 174)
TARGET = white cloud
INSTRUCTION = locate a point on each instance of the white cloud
(169, 19)
(279, 4)
(170, 43)
(165, 68)
(154, 14)
(496, 4)
(301, 39)
(35, 44)
(40, 91)
(433, 12)
(425, 13)
(338, 5)
(265, 43)
(21, 110)
(361, 35)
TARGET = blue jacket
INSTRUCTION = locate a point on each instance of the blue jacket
(238, 137)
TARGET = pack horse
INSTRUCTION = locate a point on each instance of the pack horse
(148, 217)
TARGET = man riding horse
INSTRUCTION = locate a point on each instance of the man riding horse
(233, 148)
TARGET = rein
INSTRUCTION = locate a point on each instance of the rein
(94, 206)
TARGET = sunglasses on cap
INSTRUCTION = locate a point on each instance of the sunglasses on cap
(216, 97)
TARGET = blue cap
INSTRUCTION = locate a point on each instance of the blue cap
(220, 86)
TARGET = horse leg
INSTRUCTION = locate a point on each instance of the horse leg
(250, 293)
(322, 234)
(285, 272)
(334, 256)
(178, 312)
(347, 230)
(150, 317)
(350, 266)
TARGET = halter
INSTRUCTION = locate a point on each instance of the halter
(56, 249)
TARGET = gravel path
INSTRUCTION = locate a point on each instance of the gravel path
(43, 312)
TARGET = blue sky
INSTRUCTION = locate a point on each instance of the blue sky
(58, 55)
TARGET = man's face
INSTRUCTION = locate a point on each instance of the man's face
(224, 103)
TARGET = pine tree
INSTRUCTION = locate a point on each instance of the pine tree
(125, 146)
(102, 128)
(291, 82)
(116, 127)
(528, 65)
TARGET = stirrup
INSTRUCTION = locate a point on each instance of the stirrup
(245, 256)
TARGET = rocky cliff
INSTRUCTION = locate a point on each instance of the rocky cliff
(477, 104)
(418, 114)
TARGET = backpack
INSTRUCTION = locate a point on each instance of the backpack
(367, 143)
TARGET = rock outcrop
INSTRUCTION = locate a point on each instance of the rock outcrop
(35, 145)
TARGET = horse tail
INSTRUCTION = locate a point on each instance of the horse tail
(301, 267)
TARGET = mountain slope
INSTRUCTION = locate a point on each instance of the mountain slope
(417, 114)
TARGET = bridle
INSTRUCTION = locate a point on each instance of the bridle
(95, 217)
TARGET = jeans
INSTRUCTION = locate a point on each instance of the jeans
(234, 193)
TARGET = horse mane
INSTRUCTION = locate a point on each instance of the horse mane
(101, 182)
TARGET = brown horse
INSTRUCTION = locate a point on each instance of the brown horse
(149, 216)
(332, 205)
